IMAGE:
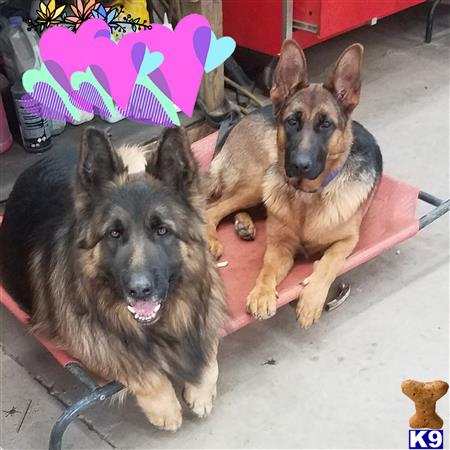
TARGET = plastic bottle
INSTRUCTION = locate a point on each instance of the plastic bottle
(5, 135)
(57, 126)
(19, 47)
(34, 129)
(20, 51)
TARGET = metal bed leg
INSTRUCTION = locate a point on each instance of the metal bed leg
(441, 207)
(71, 413)
(430, 20)
(434, 214)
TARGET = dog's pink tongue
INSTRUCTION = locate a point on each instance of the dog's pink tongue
(144, 308)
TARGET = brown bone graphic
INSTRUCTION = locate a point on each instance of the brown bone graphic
(425, 396)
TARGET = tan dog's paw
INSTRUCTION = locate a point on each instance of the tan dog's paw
(165, 417)
(244, 226)
(199, 399)
(215, 246)
(262, 303)
(310, 305)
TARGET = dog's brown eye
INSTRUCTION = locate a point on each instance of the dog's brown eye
(325, 123)
(115, 234)
(162, 230)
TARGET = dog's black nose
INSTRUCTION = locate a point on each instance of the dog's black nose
(139, 286)
(302, 163)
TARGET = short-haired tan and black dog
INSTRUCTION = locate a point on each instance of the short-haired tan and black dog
(314, 169)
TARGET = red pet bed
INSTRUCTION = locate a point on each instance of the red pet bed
(390, 220)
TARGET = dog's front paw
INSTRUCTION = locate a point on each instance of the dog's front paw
(170, 422)
(244, 226)
(310, 305)
(262, 303)
(199, 399)
(165, 416)
(215, 246)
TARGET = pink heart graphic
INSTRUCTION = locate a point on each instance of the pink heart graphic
(116, 65)
(113, 67)
(110, 62)
(185, 50)
(59, 49)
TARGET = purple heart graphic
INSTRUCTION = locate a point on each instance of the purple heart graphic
(101, 77)
(58, 74)
(137, 55)
(51, 104)
(180, 74)
(202, 39)
(144, 107)
(88, 99)
(158, 78)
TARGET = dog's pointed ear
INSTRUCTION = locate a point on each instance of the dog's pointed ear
(175, 165)
(290, 75)
(99, 162)
(345, 80)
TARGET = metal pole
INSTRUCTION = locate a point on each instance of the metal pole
(441, 207)
(286, 23)
(429, 198)
(434, 214)
(82, 375)
(71, 413)
(430, 20)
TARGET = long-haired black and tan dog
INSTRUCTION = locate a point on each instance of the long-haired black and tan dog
(110, 258)
(314, 169)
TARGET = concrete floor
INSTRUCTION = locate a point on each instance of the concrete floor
(336, 385)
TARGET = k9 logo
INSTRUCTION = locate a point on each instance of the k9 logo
(426, 439)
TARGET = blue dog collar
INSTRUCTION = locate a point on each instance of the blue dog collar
(332, 175)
